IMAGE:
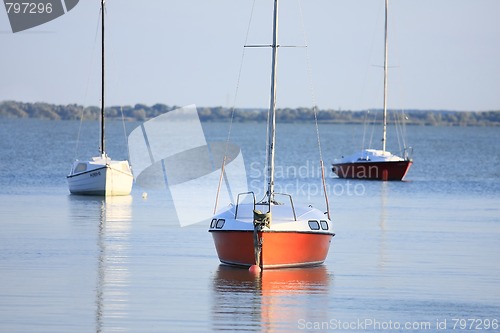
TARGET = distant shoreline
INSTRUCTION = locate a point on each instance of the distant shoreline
(142, 112)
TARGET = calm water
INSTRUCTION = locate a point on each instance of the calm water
(422, 253)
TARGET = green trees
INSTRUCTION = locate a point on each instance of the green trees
(142, 112)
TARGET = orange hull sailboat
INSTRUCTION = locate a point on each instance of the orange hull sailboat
(271, 234)
(285, 242)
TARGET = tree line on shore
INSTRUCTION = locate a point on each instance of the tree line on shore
(142, 112)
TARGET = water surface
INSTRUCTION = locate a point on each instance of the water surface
(420, 251)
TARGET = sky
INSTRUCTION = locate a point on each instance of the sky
(443, 54)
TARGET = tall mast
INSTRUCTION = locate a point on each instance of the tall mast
(384, 135)
(102, 78)
(272, 107)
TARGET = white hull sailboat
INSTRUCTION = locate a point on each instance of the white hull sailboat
(375, 164)
(269, 233)
(101, 175)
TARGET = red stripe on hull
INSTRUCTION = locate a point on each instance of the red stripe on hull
(394, 170)
(279, 249)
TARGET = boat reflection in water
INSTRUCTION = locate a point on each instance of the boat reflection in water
(112, 298)
(274, 300)
(113, 275)
(111, 218)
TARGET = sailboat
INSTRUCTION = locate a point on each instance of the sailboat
(375, 164)
(268, 233)
(101, 175)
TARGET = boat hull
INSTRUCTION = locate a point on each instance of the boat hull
(377, 170)
(103, 181)
(279, 248)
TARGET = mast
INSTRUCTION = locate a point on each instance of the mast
(272, 107)
(102, 148)
(384, 134)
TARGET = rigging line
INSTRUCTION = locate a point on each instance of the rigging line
(363, 88)
(370, 124)
(396, 125)
(125, 134)
(374, 121)
(269, 45)
(266, 180)
(375, 31)
(78, 134)
(233, 110)
(311, 85)
(402, 97)
(403, 126)
(315, 108)
(400, 119)
(266, 175)
(91, 64)
(116, 82)
(239, 79)
(255, 46)
(365, 121)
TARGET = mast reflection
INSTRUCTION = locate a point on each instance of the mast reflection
(112, 298)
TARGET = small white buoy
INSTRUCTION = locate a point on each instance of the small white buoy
(144, 195)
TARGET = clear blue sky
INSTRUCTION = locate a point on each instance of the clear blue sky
(444, 54)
